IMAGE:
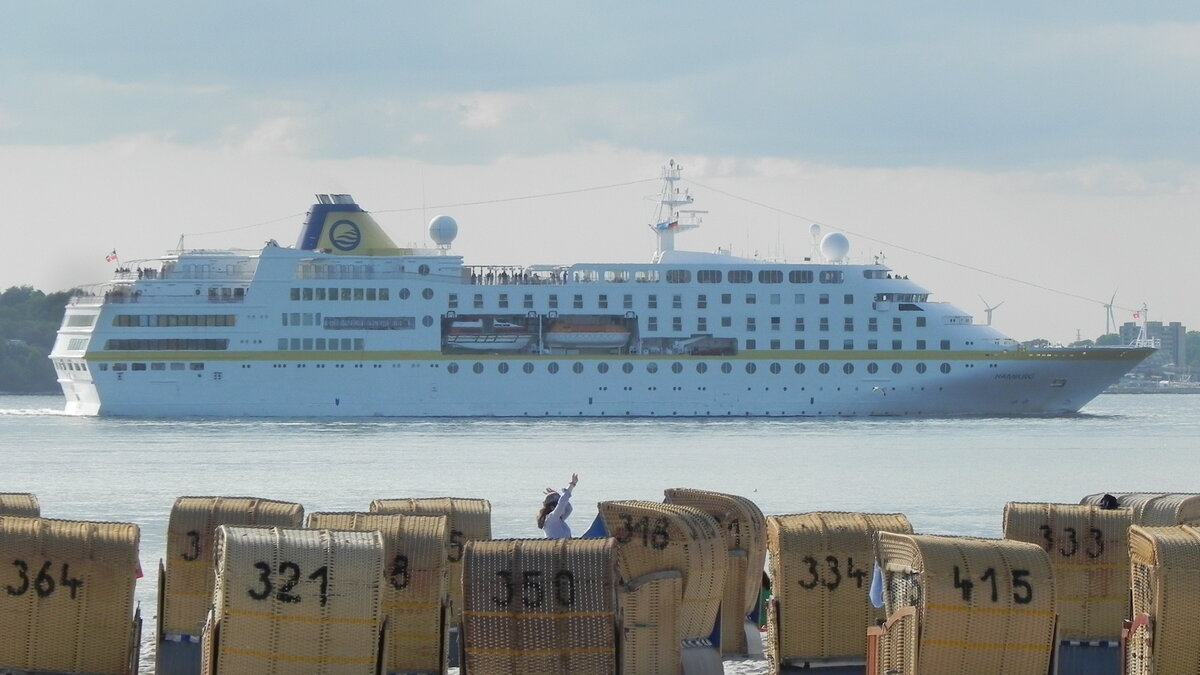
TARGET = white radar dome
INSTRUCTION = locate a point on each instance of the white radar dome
(443, 230)
(835, 247)
(814, 230)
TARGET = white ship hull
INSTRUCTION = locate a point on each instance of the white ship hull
(1046, 385)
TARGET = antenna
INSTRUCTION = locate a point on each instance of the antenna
(1110, 322)
(988, 309)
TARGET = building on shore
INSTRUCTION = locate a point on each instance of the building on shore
(1172, 345)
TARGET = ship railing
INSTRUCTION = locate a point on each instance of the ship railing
(182, 276)
(125, 297)
(1156, 343)
(85, 300)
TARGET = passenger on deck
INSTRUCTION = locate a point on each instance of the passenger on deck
(552, 519)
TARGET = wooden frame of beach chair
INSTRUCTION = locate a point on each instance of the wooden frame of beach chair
(296, 601)
(540, 606)
(1156, 509)
(19, 504)
(1165, 581)
(68, 605)
(1089, 552)
(657, 537)
(415, 588)
(820, 568)
(746, 542)
(981, 606)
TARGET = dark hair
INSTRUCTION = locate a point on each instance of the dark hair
(548, 505)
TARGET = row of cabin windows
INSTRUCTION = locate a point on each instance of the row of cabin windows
(847, 345)
(173, 320)
(322, 344)
(175, 365)
(748, 276)
(776, 324)
(172, 344)
(577, 301)
(701, 367)
(346, 294)
(677, 276)
(603, 300)
(351, 294)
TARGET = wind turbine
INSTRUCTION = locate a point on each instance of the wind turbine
(1110, 321)
(989, 308)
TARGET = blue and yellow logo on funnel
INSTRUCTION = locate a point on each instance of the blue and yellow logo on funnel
(345, 235)
(337, 225)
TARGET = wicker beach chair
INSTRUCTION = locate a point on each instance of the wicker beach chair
(19, 504)
(415, 590)
(655, 543)
(540, 606)
(746, 551)
(1165, 579)
(185, 575)
(68, 600)
(1089, 552)
(962, 605)
(1156, 509)
(295, 601)
(820, 567)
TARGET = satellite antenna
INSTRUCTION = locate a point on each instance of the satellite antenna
(1110, 322)
(988, 309)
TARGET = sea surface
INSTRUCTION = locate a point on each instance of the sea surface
(947, 475)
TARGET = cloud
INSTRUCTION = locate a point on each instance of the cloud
(275, 136)
(478, 110)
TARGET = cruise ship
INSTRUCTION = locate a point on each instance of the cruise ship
(347, 324)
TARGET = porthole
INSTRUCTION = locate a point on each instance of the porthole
(602, 368)
(945, 368)
(896, 368)
(503, 367)
(478, 368)
(651, 367)
(823, 368)
(677, 367)
(626, 368)
(872, 368)
(799, 368)
(750, 368)
(423, 270)
(452, 368)
(552, 367)
(577, 368)
(427, 294)
(403, 295)
(775, 368)
(726, 368)
(427, 321)
(701, 367)
(848, 368)
(528, 367)
(920, 367)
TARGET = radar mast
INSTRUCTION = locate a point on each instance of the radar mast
(669, 219)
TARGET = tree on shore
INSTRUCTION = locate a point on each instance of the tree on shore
(29, 320)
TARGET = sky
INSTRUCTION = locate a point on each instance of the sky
(1039, 158)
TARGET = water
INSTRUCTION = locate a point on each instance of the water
(948, 476)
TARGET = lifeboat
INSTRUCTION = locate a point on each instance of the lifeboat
(494, 335)
(586, 335)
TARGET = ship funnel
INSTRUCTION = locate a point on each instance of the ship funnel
(337, 225)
